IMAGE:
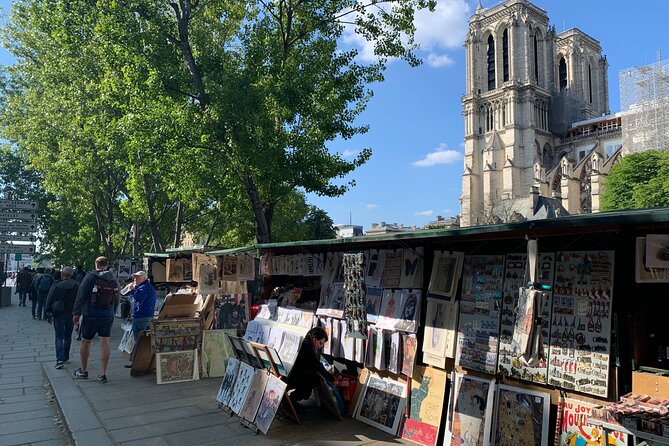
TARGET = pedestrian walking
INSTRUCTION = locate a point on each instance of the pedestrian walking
(23, 280)
(59, 306)
(97, 300)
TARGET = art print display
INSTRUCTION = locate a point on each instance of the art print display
(289, 350)
(275, 338)
(254, 396)
(574, 429)
(207, 281)
(657, 251)
(440, 329)
(428, 387)
(581, 322)
(382, 403)
(313, 265)
(373, 298)
(246, 267)
(175, 270)
(393, 352)
(332, 271)
(179, 366)
(228, 383)
(412, 269)
(400, 310)
(521, 417)
(515, 276)
(445, 276)
(241, 388)
(471, 412)
(233, 311)
(409, 345)
(480, 308)
(269, 405)
(392, 269)
(216, 349)
(375, 265)
(257, 332)
(332, 300)
(645, 273)
(229, 268)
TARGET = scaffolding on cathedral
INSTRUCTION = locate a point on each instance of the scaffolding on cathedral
(644, 102)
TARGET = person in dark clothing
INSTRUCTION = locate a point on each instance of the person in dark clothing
(79, 274)
(304, 374)
(42, 285)
(59, 306)
(23, 280)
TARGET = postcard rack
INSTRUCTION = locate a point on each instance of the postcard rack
(263, 356)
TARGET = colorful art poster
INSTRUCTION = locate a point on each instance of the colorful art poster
(409, 345)
(269, 405)
(471, 412)
(241, 388)
(576, 431)
(515, 276)
(382, 403)
(521, 417)
(445, 276)
(174, 367)
(412, 269)
(373, 298)
(440, 328)
(225, 391)
(428, 386)
(580, 339)
(216, 350)
(480, 309)
(253, 398)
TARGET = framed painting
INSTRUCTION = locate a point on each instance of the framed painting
(471, 412)
(428, 387)
(225, 391)
(253, 398)
(382, 403)
(241, 388)
(173, 367)
(216, 349)
(269, 404)
(521, 417)
(446, 270)
(657, 251)
(644, 273)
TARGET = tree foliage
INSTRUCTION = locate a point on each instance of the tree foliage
(639, 180)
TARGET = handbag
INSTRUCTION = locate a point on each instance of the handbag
(58, 306)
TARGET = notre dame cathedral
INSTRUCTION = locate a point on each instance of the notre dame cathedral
(539, 136)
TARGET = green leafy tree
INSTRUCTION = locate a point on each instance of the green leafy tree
(639, 180)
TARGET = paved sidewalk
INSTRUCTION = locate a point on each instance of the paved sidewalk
(129, 410)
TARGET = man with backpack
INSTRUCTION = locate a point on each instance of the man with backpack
(97, 299)
(43, 285)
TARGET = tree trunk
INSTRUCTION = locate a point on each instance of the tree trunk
(151, 208)
(183, 14)
(262, 228)
(178, 223)
(102, 232)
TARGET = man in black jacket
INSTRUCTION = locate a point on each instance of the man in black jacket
(59, 305)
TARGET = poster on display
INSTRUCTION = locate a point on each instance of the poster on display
(253, 398)
(177, 366)
(245, 376)
(233, 311)
(412, 268)
(575, 430)
(521, 417)
(375, 265)
(657, 251)
(289, 350)
(216, 350)
(392, 269)
(394, 349)
(400, 310)
(332, 300)
(470, 412)
(390, 309)
(515, 276)
(269, 405)
(382, 403)
(225, 391)
(229, 269)
(346, 342)
(581, 322)
(257, 332)
(313, 265)
(246, 267)
(440, 328)
(333, 269)
(644, 273)
(480, 308)
(428, 386)
(275, 338)
(373, 298)
(207, 281)
(175, 270)
(446, 270)
(409, 345)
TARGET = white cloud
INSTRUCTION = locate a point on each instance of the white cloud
(436, 32)
(372, 206)
(424, 213)
(348, 153)
(446, 211)
(442, 155)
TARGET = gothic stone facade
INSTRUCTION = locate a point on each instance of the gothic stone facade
(526, 87)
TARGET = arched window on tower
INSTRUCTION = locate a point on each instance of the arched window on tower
(563, 73)
(505, 54)
(491, 63)
(536, 60)
(590, 82)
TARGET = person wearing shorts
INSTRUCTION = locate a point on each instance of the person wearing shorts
(94, 319)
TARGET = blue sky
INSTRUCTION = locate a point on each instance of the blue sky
(416, 127)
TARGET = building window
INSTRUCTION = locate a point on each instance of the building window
(590, 82)
(536, 60)
(491, 63)
(563, 73)
(505, 54)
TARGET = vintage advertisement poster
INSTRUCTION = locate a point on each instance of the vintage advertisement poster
(575, 430)
(428, 386)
